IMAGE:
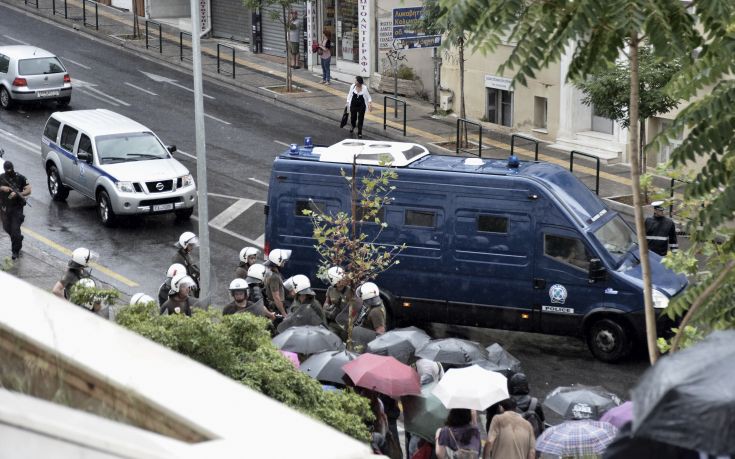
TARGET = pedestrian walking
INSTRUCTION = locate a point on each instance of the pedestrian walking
(165, 288)
(661, 231)
(358, 99)
(274, 290)
(529, 407)
(76, 270)
(294, 35)
(14, 188)
(510, 436)
(325, 54)
(179, 301)
(188, 241)
(248, 257)
(372, 314)
(459, 435)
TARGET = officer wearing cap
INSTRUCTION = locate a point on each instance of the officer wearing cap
(660, 231)
(11, 205)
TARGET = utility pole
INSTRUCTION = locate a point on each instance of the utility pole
(201, 152)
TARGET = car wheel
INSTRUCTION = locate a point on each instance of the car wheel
(609, 340)
(63, 102)
(6, 101)
(104, 209)
(184, 214)
(56, 189)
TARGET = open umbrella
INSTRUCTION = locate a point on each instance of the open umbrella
(619, 415)
(581, 402)
(688, 399)
(307, 339)
(453, 351)
(327, 366)
(471, 387)
(424, 413)
(304, 316)
(400, 343)
(292, 357)
(503, 359)
(576, 438)
(361, 336)
(383, 374)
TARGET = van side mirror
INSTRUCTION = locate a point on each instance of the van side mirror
(597, 271)
(171, 148)
(84, 156)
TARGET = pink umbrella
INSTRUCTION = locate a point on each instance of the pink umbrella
(619, 415)
(293, 357)
(383, 374)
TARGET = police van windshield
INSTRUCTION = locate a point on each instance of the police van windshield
(617, 237)
(129, 147)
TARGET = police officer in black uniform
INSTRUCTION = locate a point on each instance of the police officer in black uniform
(14, 188)
(660, 231)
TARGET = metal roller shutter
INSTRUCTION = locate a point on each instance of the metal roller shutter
(273, 38)
(230, 19)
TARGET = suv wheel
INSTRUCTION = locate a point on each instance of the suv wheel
(104, 209)
(56, 189)
(609, 340)
(6, 101)
(184, 214)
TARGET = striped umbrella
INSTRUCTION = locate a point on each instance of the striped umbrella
(576, 438)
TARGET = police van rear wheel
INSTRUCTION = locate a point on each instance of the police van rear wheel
(56, 189)
(104, 209)
(609, 340)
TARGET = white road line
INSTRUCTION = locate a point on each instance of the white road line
(187, 154)
(97, 97)
(77, 63)
(16, 40)
(103, 94)
(231, 213)
(20, 142)
(227, 196)
(216, 119)
(259, 181)
(282, 143)
(141, 89)
(188, 89)
(238, 236)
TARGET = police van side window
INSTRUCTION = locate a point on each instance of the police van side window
(492, 224)
(51, 131)
(425, 218)
(567, 250)
(304, 204)
(68, 136)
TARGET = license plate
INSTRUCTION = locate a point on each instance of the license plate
(162, 207)
(47, 93)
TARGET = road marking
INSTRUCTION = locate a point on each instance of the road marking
(238, 236)
(141, 89)
(163, 79)
(16, 40)
(87, 86)
(60, 248)
(77, 63)
(94, 96)
(228, 215)
(186, 154)
(216, 119)
(20, 142)
(259, 181)
(227, 196)
(282, 143)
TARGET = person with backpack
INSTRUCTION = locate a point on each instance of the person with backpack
(510, 436)
(529, 407)
(459, 438)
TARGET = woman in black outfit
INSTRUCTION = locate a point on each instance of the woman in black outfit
(358, 99)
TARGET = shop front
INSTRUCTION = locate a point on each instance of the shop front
(350, 23)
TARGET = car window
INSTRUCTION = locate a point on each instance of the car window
(4, 63)
(426, 218)
(68, 136)
(567, 250)
(40, 66)
(140, 146)
(84, 144)
(492, 224)
(51, 131)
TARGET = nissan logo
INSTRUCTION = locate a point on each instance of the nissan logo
(159, 186)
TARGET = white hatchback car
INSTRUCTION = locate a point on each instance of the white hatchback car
(28, 73)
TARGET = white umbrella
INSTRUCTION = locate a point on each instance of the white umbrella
(473, 387)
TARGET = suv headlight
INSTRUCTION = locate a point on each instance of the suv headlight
(660, 301)
(126, 187)
(187, 180)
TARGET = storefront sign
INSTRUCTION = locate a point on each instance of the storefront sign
(385, 33)
(204, 16)
(429, 41)
(311, 31)
(364, 21)
(496, 82)
(407, 22)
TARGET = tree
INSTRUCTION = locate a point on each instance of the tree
(349, 239)
(597, 34)
(608, 90)
(278, 10)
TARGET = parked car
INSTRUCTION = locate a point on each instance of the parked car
(28, 73)
(116, 161)
(517, 245)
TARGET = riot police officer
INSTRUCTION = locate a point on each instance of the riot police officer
(661, 231)
(372, 314)
(80, 259)
(186, 244)
(255, 279)
(179, 301)
(248, 257)
(165, 288)
(14, 188)
(241, 303)
(274, 290)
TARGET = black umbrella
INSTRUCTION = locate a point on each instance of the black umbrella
(304, 316)
(581, 402)
(452, 351)
(361, 336)
(327, 366)
(503, 359)
(307, 339)
(400, 343)
(688, 399)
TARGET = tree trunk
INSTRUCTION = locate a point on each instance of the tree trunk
(644, 160)
(462, 114)
(136, 23)
(286, 27)
(353, 237)
(635, 177)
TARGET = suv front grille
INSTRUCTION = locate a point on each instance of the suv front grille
(166, 185)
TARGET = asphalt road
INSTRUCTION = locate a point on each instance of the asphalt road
(243, 135)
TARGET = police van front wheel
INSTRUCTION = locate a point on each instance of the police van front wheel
(609, 340)
(104, 209)
(56, 189)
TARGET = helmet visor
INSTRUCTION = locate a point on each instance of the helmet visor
(372, 301)
(194, 242)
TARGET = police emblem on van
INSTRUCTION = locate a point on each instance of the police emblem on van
(558, 294)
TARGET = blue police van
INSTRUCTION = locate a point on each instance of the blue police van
(489, 243)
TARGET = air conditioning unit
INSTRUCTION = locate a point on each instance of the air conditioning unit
(446, 96)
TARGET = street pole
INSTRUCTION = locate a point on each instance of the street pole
(434, 58)
(201, 152)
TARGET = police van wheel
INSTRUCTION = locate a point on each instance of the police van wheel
(609, 340)
(104, 209)
(56, 189)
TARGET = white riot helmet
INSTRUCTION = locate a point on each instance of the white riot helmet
(299, 284)
(188, 238)
(256, 274)
(248, 252)
(369, 294)
(141, 298)
(181, 280)
(239, 284)
(335, 274)
(279, 257)
(83, 257)
(174, 269)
